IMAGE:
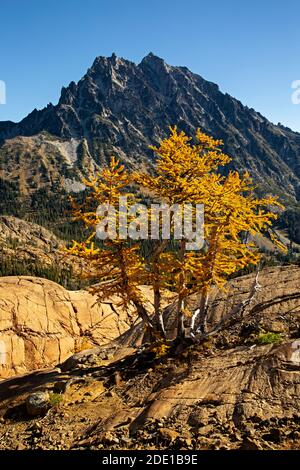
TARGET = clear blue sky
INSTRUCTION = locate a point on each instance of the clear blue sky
(251, 49)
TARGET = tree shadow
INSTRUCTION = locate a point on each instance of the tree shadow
(13, 387)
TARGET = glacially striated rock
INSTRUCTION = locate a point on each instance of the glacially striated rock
(233, 395)
(42, 324)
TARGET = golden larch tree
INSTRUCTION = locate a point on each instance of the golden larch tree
(186, 172)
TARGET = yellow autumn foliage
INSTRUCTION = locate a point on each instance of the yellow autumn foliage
(185, 172)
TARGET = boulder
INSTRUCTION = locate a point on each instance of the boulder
(38, 403)
(42, 324)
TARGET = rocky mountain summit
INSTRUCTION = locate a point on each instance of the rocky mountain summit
(238, 390)
(121, 108)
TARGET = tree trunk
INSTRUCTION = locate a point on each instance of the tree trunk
(158, 315)
(180, 320)
(203, 312)
(181, 298)
(143, 314)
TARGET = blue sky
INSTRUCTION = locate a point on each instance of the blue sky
(251, 49)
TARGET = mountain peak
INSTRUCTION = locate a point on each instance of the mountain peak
(154, 62)
(121, 108)
(151, 57)
(114, 59)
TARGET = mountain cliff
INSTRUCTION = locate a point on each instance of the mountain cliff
(121, 108)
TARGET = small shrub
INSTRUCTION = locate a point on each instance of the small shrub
(269, 338)
(55, 399)
(208, 343)
(83, 344)
(160, 349)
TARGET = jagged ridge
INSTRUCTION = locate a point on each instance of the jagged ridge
(121, 108)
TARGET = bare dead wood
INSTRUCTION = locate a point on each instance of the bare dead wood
(237, 313)
(181, 299)
(201, 313)
(158, 314)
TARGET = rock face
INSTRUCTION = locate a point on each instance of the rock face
(228, 393)
(276, 307)
(121, 108)
(246, 384)
(28, 241)
(277, 301)
(42, 324)
(29, 249)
